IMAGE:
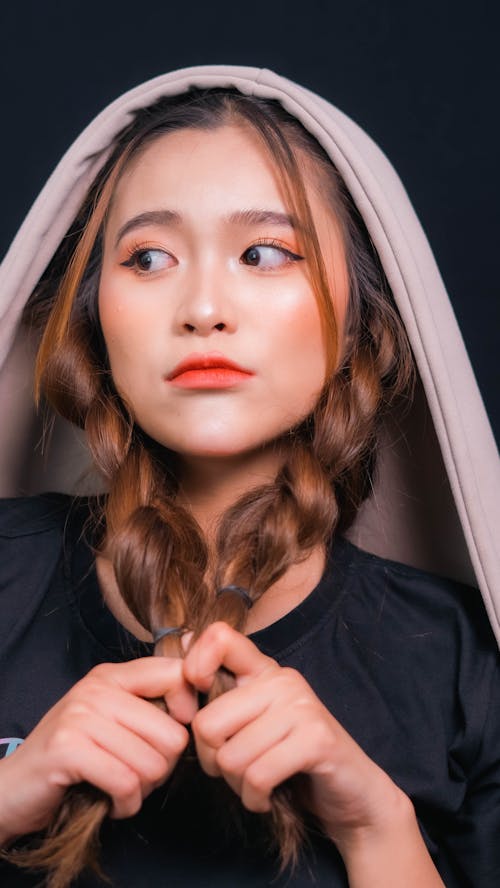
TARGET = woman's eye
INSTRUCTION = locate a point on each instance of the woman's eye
(269, 256)
(148, 260)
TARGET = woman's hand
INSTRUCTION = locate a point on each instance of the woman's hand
(104, 732)
(272, 725)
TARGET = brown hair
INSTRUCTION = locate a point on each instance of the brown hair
(330, 456)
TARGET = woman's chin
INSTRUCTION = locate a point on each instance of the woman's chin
(231, 455)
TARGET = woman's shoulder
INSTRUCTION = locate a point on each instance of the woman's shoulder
(427, 645)
(29, 515)
(412, 603)
(38, 535)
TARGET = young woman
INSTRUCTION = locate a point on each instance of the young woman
(218, 321)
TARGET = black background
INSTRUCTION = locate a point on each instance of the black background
(421, 78)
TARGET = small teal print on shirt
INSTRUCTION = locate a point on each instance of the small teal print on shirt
(8, 745)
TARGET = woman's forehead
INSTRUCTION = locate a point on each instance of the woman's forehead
(227, 167)
(230, 157)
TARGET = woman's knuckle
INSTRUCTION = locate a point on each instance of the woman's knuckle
(78, 709)
(219, 630)
(100, 672)
(178, 740)
(225, 760)
(318, 733)
(256, 805)
(87, 692)
(129, 805)
(202, 726)
(62, 739)
(197, 721)
(135, 806)
(256, 779)
(255, 792)
(129, 785)
(287, 681)
(155, 769)
(95, 685)
(290, 677)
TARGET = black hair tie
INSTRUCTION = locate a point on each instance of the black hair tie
(236, 590)
(158, 634)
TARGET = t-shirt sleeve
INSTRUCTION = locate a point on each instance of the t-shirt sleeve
(469, 852)
(30, 545)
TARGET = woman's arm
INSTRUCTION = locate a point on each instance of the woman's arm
(390, 856)
(272, 726)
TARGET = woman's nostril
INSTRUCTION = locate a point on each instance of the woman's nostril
(193, 328)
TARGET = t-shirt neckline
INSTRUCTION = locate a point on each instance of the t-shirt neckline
(274, 639)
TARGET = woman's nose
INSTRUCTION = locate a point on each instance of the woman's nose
(206, 306)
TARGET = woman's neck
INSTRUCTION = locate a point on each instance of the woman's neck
(285, 595)
(207, 488)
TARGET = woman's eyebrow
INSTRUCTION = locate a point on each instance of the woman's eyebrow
(151, 217)
(248, 218)
(261, 217)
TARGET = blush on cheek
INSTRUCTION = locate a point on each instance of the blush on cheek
(306, 342)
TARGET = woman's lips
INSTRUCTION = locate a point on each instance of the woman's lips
(212, 371)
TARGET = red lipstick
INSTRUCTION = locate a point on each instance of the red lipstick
(210, 371)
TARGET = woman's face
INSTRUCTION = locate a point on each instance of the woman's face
(212, 328)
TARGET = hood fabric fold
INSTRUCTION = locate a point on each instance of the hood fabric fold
(435, 503)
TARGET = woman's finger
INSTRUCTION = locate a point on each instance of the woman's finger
(152, 765)
(133, 713)
(220, 645)
(232, 758)
(148, 677)
(102, 769)
(284, 688)
(229, 713)
(274, 766)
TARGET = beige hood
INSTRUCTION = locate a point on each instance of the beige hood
(436, 502)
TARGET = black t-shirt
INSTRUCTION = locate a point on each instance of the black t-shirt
(405, 660)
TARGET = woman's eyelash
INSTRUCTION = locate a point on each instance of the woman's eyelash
(270, 242)
(134, 251)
